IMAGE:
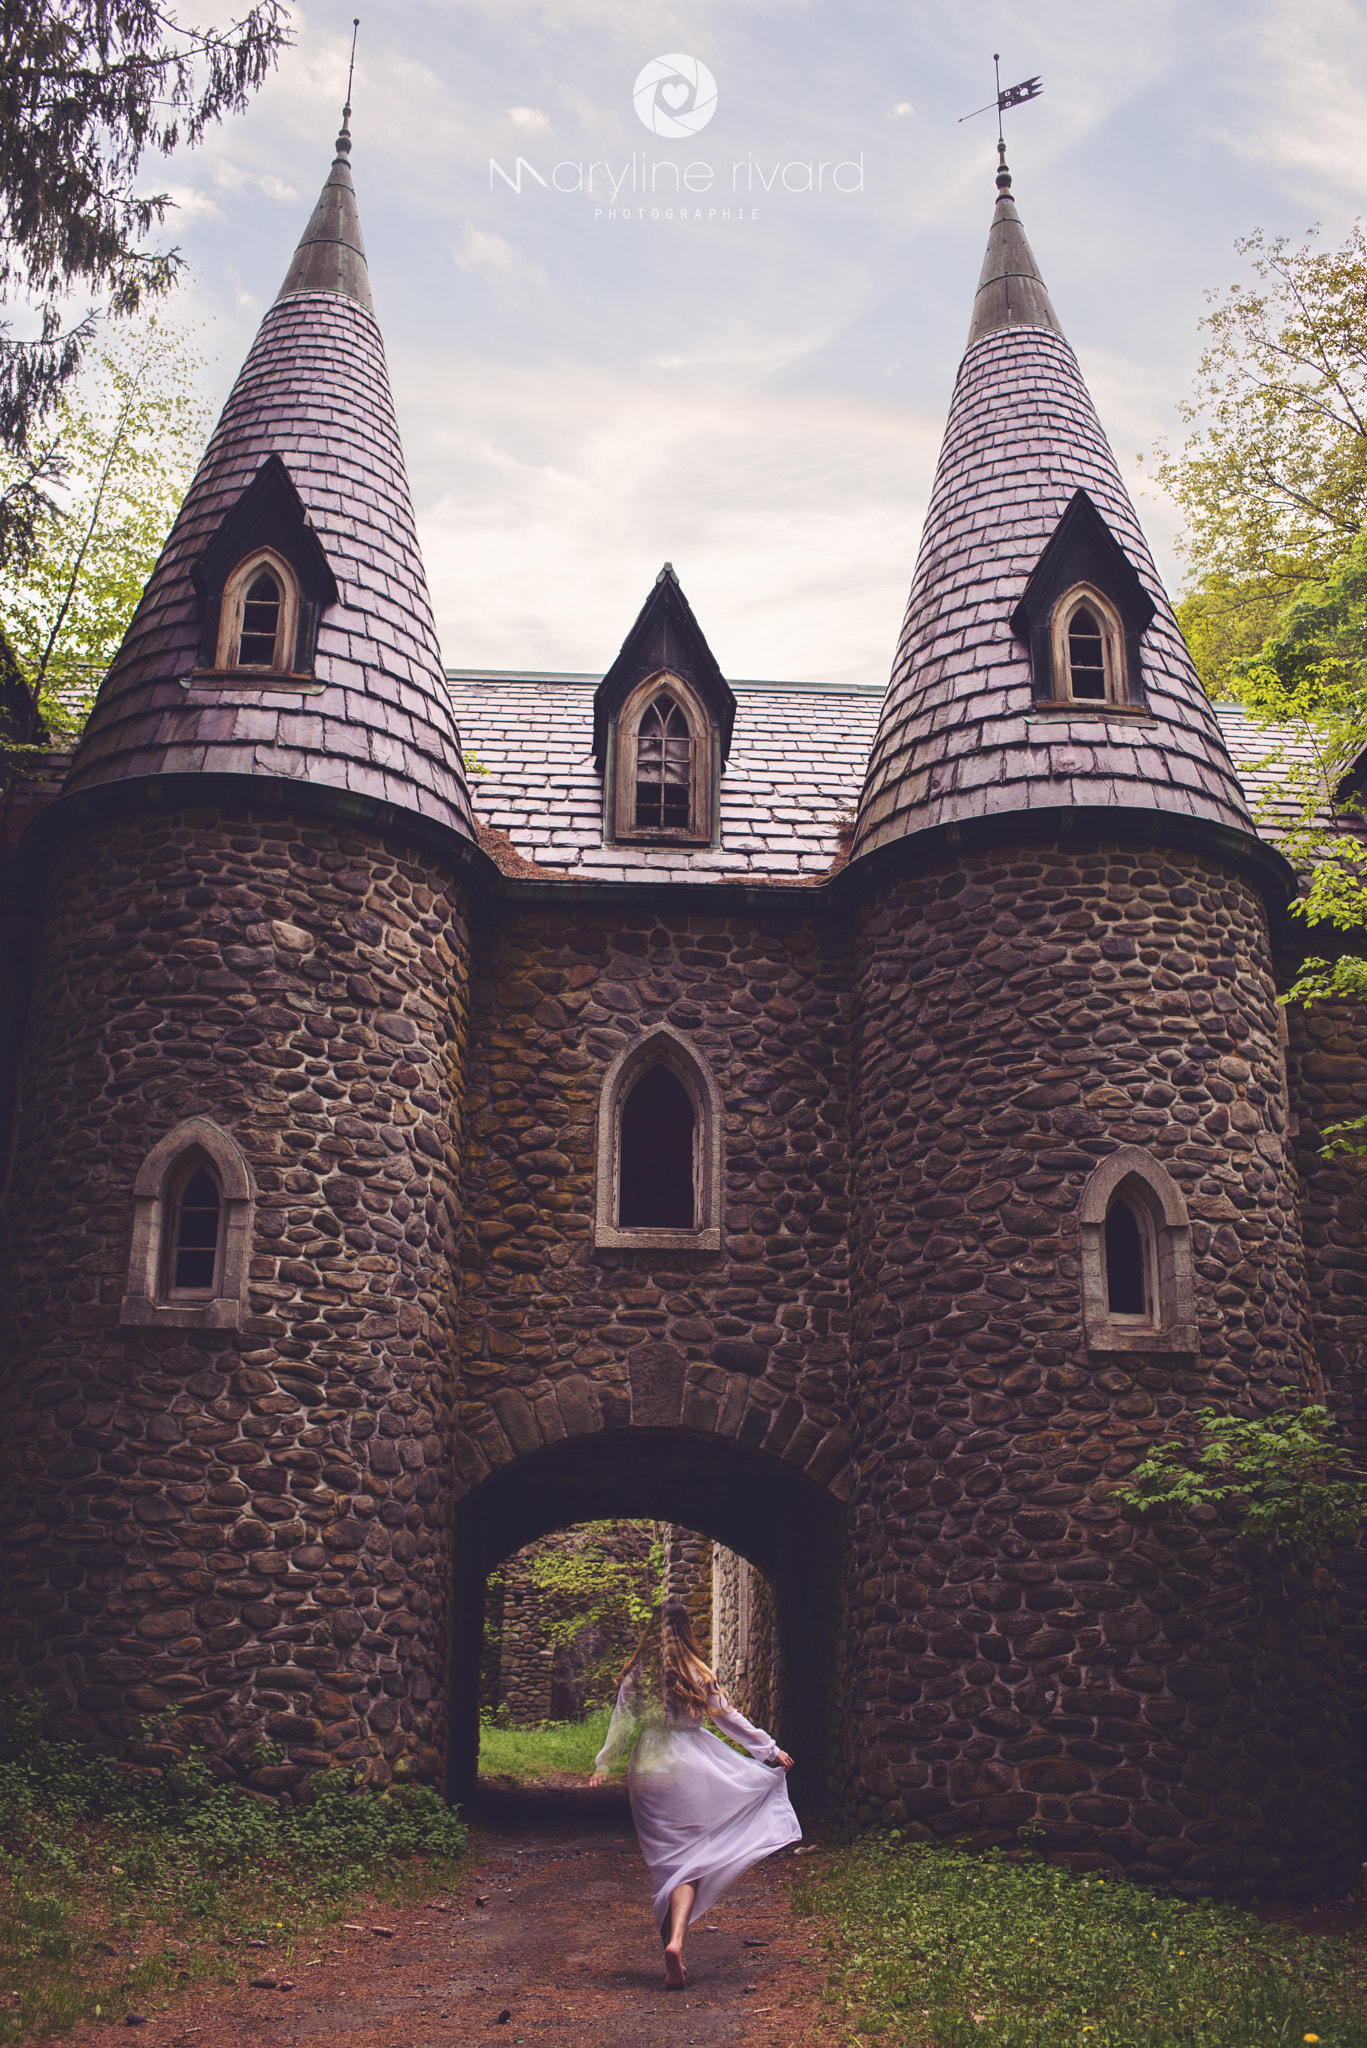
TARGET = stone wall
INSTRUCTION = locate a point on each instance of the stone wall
(1022, 1650)
(252, 1527)
(745, 1647)
(529, 1678)
(688, 1576)
(1328, 1069)
(546, 1321)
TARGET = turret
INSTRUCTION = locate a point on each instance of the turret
(234, 1201)
(1040, 668)
(286, 634)
(1074, 1213)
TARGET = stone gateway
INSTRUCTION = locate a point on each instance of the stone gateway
(853, 1125)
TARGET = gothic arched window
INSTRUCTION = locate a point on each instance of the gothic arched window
(657, 1154)
(664, 784)
(1128, 1251)
(664, 760)
(1089, 648)
(195, 1234)
(191, 1236)
(258, 618)
(659, 1149)
(1138, 1281)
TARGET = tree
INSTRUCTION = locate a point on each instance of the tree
(132, 429)
(87, 89)
(1273, 478)
(1285, 1476)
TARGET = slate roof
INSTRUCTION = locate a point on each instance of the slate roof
(961, 737)
(797, 765)
(315, 391)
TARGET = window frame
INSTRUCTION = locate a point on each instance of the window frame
(150, 1298)
(663, 1046)
(233, 604)
(1132, 1174)
(1073, 600)
(701, 767)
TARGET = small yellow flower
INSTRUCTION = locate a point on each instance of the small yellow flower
(1310, 2037)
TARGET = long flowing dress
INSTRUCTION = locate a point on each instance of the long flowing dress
(703, 1814)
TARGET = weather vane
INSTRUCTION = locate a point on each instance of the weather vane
(1014, 96)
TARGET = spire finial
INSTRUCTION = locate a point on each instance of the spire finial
(344, 139)
(1003, 174)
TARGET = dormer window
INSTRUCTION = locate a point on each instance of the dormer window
(664, 773)
(1089, 649)
(662, 720)
(1083, 615)
(260, 620)
(263, 583)
(664, 761)
(257, 619)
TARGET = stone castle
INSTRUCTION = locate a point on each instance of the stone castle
(851, 1124)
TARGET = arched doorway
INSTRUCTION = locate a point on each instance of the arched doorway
(790, 1528)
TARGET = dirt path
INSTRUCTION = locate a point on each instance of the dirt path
(548, 1942)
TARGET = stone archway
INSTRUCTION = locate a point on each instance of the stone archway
(785, 1523)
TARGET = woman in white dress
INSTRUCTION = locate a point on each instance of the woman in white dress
(703, 1814)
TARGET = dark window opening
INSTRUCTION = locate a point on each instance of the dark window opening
(1126, 1263)
(195, 1257)
(1086, 656)
(655, 1169)
(663, 765)
(260, 619)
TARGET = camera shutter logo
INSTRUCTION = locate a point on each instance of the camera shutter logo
(675, 96)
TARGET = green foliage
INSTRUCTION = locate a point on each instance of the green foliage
(527, 1755)
(1273, 478)
(89, 89)
(934, 1948)
(1284, 1473)
(583, 1586)
(131, 434)
(169, 1861)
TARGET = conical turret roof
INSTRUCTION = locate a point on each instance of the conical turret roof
(310, 418)
(962, 737)
(1011, 292)
(331, 252)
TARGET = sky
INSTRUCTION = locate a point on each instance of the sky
(748, 375)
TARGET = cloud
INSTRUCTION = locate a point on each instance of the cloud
(548, 501)
(192, 204)
(530, 120)
(901, 110)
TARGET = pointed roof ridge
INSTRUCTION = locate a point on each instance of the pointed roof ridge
(1011, 292)
(331, 253)
(664, 634)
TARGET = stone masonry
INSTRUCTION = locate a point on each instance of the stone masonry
(932, 982)
(255, 1529)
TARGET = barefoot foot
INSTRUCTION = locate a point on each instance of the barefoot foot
(676, 1976)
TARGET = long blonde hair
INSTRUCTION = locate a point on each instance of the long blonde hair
(669, 1662)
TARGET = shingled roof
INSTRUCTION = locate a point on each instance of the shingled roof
(961, 737)
(793, 777)
(375, 720)
(787, 793)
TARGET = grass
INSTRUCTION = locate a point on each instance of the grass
(120, 1887)
(936, 1948)
(526, 1754)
